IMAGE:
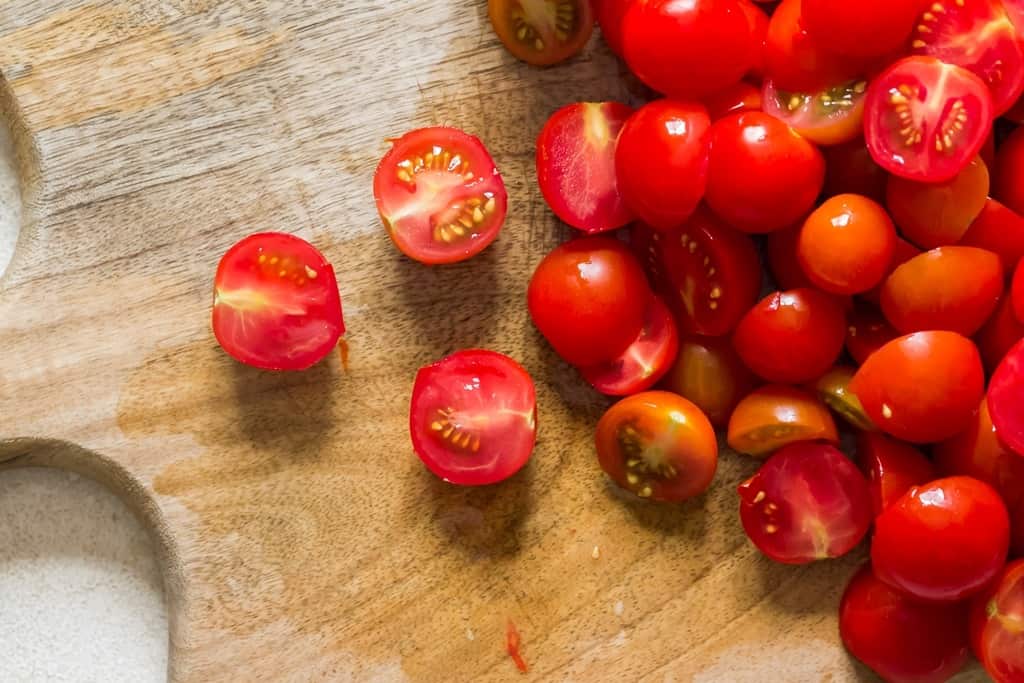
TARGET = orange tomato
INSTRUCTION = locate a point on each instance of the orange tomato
(776, 415)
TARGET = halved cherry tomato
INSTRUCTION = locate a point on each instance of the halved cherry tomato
(948, 288)
(645, 361)
(903, 252)
(1001, 231)
(276, 304)
(775, 415)
(588, 298)
(828, 116)
(576, 165)
(1015, 10)
(661, 161)
(999, 333)
(792, 336)
(978, 36)
(709, 373)
(807, 502)
(849, 169)
(708, 273)
(892, 468)
(1008, 176)
(1004, 399)
(997, 625)
(473, 417)
(834, 389)
(925, 120)
(942, 541)
(923, 387)
(439, 195)
(868, 331)
(866, 28)
(542, 32)
(610, 14)
(899, 638)
(783, 264)
(659, 446)
(736, 98)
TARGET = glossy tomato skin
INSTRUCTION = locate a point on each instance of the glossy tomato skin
(688, 50)
(999, 230)
(922, 387)
(995, 621)
(473, 418)
(276, 304)
(576, 165)
(661, 161)
(736, 98)
(869, 28)
(868, 331)
(903, 640)
(943, 541)
(828, 116)
(793, 336)
(776, 415)
(903, 252)
(1004, 399)
(538, 36)
(588, 298)
(851, 170)
(708, 372)
(834, 389)
(1017, 292)
(892, 468)
(757, 20)
(762, 176)
(1008, 183)
(807, 502)
(999, 334)
(610, 14)
(658, 445)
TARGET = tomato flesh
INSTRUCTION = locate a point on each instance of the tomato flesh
(542, 32)
(1005, 404)
(892, 468)
(997, 626)
(708, 372)
(829, 116)
(776, 415)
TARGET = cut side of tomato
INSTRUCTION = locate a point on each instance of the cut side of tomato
(834, 389)
(997, 625)
(892, 468)
(830, 116)
(1004, 399)
(276, 304)
(999, 230)
(709, 373)
(440, 195)
(542, 32)
(473, 418)
(776, 415)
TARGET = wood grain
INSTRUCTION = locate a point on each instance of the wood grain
(301, 539)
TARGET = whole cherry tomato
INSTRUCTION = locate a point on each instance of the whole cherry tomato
(709, 373)
(866, 28)
(892, 468)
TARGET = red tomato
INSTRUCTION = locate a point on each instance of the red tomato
(1017, 292)
(736, 98)
(892, 468)
(923, 387)
(978, 36)
(757, 20)
(708, 273)
(709, 373)
(1016, 112)
(903, 252)
(780, 253)
(867, 332)
(776, 415)
(661, 161)
(658, 446)
(828, 116)
(899, 638)
(942, 541)
(997, 626)
(925, 120)
(793, 336)
(610, 14)
(988, 149)
(1004, 399)
(439, 195)
(947, 288)
(999, 334)
(688, 49)
(275, 303)
(849, 169)
(834, 389)
(645, 361)
(807, 502)
(762, 175)
(588, 298)
(1000, 230)
(937, 214)
(540, 32)
(473, 417)
(847, 244)
(1015, 10)
(1008, 177)
(576, 165)
(866, 28)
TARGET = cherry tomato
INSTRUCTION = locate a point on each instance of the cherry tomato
(1016, 112)
(899, 638)
(947, 288)
(943, 541)
(849, 169)
(892, 468)
(868, 331)
(439, 195)
(1004, 399)
(757, 21)
(997, 625)
(610, 14)
(846, 244)
(937, 214)
(1008, 177)
(1015, 10)
(736, 98)
(659, 446)
(923, 387)
(762, 175)
(999, 333)
(576, 165)
(978, 36)
(925, 120)
(588, 298)
(709, 373)
(829, 116)
(807, 502)
(903, 252)
(792, 336)
(661, 161)
(988, 149)
(1000, 230)
(780, 253)
(866, 28)
(834, 389)
(776, 415)
(690, 49)
(1017, 292)
(541, 32)
(645, 361)
(708, 273)
(275, 303)
(473, 417)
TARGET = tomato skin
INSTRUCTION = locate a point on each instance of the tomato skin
(948, 288)
(903, 252)
(999, 333)
(869, 28)
(1004, 399)
(1017, 292)
(922, 387)
(1001, 231)
(776, 415)
(1008, 177)
(892, 468)
(555, 49)
(757, 20)
(783, 263)
(588, 298)
(792, 337)
(762, 175)
(736, 98)
(709, 373)
(834, 389)
(943, 541)
(610, 14)
(661, 161)
(807, 502)
(867, 332)
(995, 626)
(901, 639)
(849, 169)
(659, 446)
(828, 116)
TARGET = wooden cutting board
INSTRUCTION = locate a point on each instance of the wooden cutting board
(301, 539)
